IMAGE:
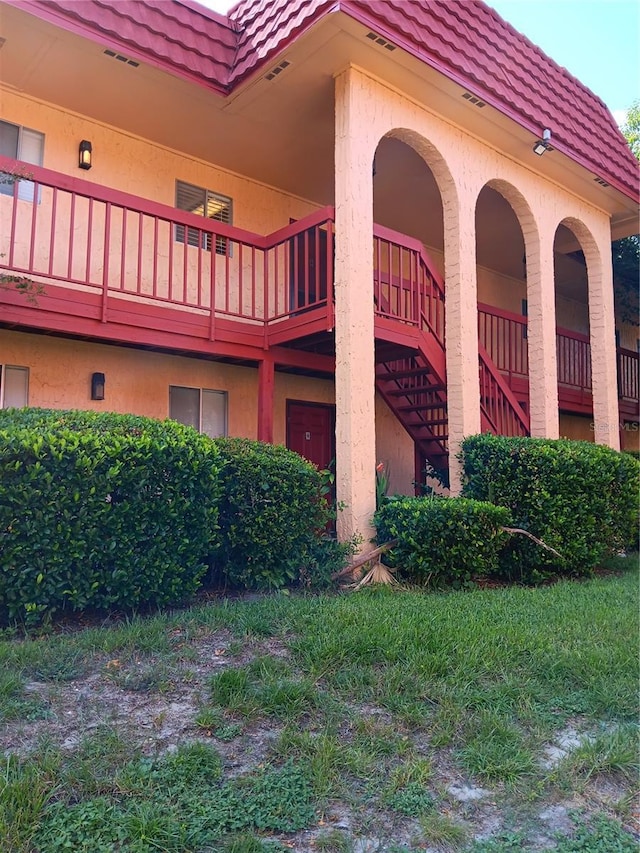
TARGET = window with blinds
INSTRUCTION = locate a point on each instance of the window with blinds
(203, 203)
(20, 143)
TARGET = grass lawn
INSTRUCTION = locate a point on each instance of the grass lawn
(490, 721)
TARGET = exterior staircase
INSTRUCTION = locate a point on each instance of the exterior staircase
(417, 395)
(407, 287)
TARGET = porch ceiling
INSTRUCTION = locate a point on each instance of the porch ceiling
(278, 132)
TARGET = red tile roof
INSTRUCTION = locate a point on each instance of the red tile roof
(182, 38)
(266, 26)
(469, 42)
(465, 40)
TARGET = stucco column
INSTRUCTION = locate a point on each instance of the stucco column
(541, 337)
(355, 378)
(463, 385)
(604, 378)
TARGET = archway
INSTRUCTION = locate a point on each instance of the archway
(501, 260)
(507, 246)
(571, 277)
(411, 416)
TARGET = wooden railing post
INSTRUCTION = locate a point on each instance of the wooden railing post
(105, 261)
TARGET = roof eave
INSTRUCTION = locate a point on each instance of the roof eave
(485, 94)
(100, 37)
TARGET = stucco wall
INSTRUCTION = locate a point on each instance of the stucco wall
(140, 167)
(138, 381)
(394, 448)
(581, 429)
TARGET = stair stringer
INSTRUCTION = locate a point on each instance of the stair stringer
(415, 387)
(415, 390)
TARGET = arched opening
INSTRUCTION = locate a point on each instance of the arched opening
(502, 286)
(406, 196)
(571, 248)
(502, 217)
(411, 411)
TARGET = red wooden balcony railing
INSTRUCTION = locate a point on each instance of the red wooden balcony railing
(574, 360)
(628, 375)
(91, 238)
(500, 411)
(504, 335)
(406, 285)
(115, 246)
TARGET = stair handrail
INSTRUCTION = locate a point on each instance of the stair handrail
(435, 292)
(519, 413)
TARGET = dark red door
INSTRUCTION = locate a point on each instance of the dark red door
(311, 431)
(308, 268)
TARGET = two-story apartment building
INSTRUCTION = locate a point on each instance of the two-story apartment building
(361, 229)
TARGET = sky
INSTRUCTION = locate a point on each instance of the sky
(598, 41)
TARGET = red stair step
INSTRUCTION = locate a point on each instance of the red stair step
(423, 408)
(403, 392)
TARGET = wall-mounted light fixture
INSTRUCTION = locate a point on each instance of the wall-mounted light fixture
(542, 144)
(84, 154)
(97, 386)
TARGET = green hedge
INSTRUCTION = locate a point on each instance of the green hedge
(272, 510)
(442, 541)
(578, 497)
(102, 510)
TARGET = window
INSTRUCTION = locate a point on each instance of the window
(20, 143)
(14, 386)
(204, 410)
(203, 203)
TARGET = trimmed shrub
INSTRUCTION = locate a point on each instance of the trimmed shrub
(442, 541)
(324, 557)
(579, 498)
(102, 510)
(272, 510)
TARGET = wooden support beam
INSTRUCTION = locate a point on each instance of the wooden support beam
(266, 386)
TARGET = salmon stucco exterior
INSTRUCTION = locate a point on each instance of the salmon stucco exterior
(364, 230)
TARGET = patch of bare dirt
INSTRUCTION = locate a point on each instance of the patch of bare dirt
(157, 711)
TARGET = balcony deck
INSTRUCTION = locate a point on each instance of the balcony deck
(118, 268)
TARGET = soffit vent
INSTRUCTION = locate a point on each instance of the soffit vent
(277, 70)
(122, 58)
(382, 42)
(601, 182)
(473, 100)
